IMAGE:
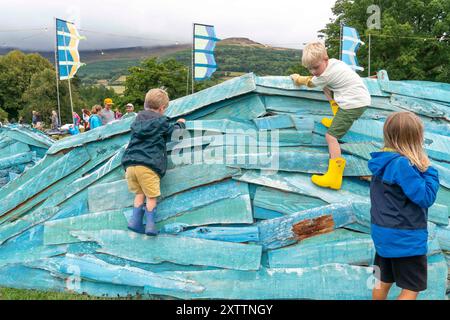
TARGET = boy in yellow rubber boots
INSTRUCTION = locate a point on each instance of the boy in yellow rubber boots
(351, 99)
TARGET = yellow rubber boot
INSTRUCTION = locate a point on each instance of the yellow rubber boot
(334, 108)
(333, 178)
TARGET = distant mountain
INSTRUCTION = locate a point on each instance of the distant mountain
(88, 56)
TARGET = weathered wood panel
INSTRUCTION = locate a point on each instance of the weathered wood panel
(181, 250)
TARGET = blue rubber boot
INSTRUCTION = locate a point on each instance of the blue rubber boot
(150, 228)
(135, 223)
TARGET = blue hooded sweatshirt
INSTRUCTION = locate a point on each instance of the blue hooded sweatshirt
(400, 196)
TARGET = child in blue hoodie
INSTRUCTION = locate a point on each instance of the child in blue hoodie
(403, 187)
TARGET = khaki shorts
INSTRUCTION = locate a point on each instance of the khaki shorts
(142, 180)
(343, 120)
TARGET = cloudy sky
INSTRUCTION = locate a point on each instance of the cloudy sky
(124, 23)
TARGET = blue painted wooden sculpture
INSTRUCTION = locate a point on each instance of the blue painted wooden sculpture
(238, 218)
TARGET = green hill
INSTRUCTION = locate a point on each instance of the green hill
(234, 56)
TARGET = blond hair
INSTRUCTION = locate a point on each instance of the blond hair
(313, 53)
(155, 99)
(403, 132)
(96, 109)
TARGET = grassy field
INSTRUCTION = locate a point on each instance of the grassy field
(16, 294)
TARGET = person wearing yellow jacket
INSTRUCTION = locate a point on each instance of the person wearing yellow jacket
(348, 97)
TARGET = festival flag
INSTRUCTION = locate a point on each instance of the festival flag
(68, 57)
(203, 55)
(350, 43)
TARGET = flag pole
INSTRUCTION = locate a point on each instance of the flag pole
(187, 80)
(57, 72)
(193, 56)
(68, 79)
(340, 40)
(369, 54)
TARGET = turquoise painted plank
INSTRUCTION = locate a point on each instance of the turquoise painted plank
(9, 230)
(100, 133)
(301, 184)
(421, 106)
(199, 197)
(227, 211)
(16, 159)
(108, 158)
(307, 162)
(118, 196)
(91, 268)
(284, 202)
(339, 246)
(330, 282)
(443, 236)
(58, 231)
(35, 252)
(30, 279)
(181, 250)
(30, 137)
(229, 234)
(281, 121)
(48, 176)
(282, 137)
(278, 232)
(286, 83)
(49, 207)
(417, 90)
(264, 214)
(13, 149)
(225, 90)
(438, 214)
(361, 150)
(245, 109)
(221, 126)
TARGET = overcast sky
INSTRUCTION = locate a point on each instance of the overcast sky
(286, 23)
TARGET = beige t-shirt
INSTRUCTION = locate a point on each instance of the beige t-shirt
(350, 92)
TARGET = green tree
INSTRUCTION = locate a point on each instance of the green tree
(151, 73)
(16, 71)
(399, 47)
(92, 95)
(41, 96)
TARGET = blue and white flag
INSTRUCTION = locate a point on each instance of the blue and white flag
(350, 45)
(67, 40)
(203, 55)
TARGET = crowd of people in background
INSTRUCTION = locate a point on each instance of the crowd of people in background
(88, 120)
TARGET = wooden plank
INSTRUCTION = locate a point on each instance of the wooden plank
(443, 236)
(227, 211)
(58, 231)
(330, 281)
(16, 159)
(313, 227)
(225, 90)
(110, 150)
(421, 107)
(307, 162)
(14, 149)
(240, 109)
(301, 184)
(339, 246)
(98, 134)
(30, 137)
(284, 202)
(47, 210)
(229, 234)
(181, 250)
(281, 232)
(91, 268)
(48, 176)
(281, 121)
